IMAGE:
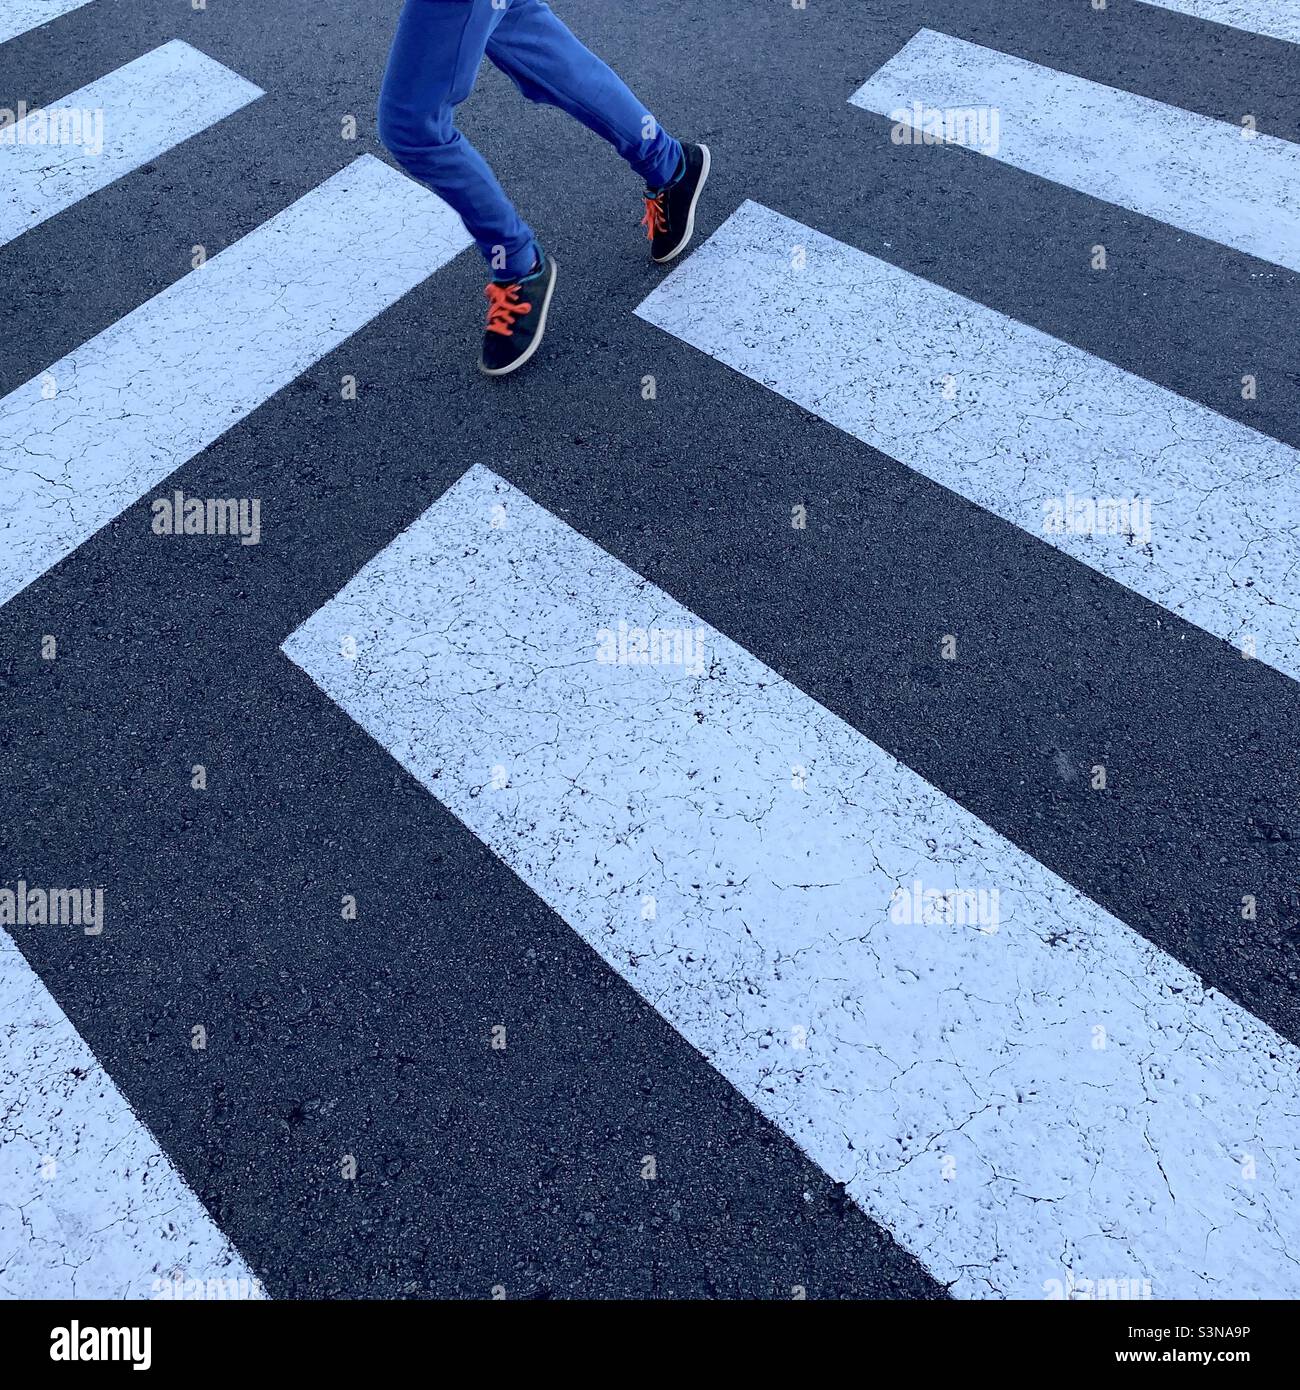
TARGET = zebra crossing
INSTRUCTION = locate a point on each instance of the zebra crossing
(1001, 1073)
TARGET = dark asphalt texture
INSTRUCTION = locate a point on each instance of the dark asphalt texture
(478, 1168)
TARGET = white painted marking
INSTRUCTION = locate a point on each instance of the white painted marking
(56, 156)
(90, 1206)
(1277, 19)
(160, 385)
(1038, 1096)
(18, 16)
(1009, 418)
(1198, 174)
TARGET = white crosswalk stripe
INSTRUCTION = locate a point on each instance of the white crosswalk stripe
(88, 437)
(56, 156)
(1009, 417)
(18, 16)
(1021, 1088)
(1278, 19)
(1201, 175)
(90, 1207)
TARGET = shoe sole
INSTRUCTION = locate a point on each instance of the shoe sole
(690, 213)
(537, 339)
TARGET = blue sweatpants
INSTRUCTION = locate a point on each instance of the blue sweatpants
(435, 59)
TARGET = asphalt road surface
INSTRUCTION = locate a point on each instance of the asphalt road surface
(935, 932)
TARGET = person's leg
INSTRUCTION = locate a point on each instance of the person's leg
(435, 59)
(547, 63)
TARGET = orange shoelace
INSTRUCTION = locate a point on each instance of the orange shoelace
(655, 220)
(504, 306)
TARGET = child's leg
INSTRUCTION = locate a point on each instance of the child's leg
(434, 60)
(548, 64)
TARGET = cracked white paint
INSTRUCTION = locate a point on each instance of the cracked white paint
(82, 441)
(951, 1077)
(1278, 19)
(18, 16)
(1176, 166)
(90, 1207)
(875, 351)
(147, 107)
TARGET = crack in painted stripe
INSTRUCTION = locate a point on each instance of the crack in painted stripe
(88, 437)
(147, 107)
(1008, 417)
(90, 1206)
(1190, 171)
(1277, 19)
(19, 16)
(1029, 1094)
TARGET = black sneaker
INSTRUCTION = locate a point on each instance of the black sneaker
(516, 319)
(670, 211)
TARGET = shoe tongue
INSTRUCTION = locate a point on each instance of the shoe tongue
(538, 266)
